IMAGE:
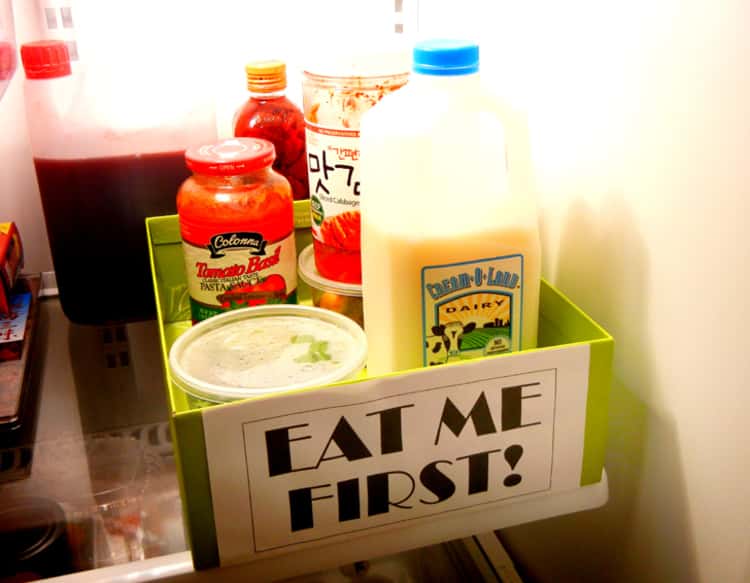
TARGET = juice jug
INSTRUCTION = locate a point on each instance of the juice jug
(450, 252)
(108, 153)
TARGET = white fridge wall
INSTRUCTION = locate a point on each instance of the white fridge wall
(639, 120)
(640, 116)
(213, 39)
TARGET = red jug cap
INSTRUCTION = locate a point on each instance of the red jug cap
(45, 59)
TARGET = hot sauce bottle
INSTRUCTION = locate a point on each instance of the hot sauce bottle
(270, 115)
(237, 225)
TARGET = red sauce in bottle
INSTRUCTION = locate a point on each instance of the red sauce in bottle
(270, 115)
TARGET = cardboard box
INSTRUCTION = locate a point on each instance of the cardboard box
(368, 467)
(13, 325)
(11, 262)
(18, 393)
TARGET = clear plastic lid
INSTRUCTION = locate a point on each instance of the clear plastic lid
(365, 56)
(231, 157)
(266, 349)
(311, 277)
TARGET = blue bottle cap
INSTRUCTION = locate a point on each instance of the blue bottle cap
(446, 57)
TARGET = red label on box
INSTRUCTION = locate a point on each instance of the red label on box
(13, 327)
(11, 261)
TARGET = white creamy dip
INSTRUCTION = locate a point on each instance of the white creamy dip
(266, 349)
(268, 352)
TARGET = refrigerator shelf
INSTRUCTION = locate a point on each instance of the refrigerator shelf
(534, 448)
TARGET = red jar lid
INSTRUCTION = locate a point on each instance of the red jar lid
(231, 157)
(45, 59)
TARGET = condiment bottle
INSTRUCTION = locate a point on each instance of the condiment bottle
(450, 252)
(335, 95)
(270, 115)
(237, 227)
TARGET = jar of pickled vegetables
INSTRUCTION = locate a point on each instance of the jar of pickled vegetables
(237, 227)
(334, 96)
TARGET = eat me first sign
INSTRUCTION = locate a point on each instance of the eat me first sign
(295, 471)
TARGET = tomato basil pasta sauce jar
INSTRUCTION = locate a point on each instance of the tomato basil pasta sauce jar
(237, 225)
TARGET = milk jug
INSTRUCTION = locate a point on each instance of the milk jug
(450, 242)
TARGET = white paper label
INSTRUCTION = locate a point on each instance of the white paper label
(295, 471)
(333, 171)
(240, 269)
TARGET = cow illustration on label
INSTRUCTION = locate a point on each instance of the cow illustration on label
(437, 349)
(445, 341)
(452, 334)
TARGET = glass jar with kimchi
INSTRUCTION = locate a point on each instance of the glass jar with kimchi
(335, 95)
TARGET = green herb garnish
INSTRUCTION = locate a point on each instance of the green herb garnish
(318, 351)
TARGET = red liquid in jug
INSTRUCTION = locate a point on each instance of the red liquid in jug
(95, 210)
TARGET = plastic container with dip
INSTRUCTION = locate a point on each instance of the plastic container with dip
(266, 349)
(344, 298)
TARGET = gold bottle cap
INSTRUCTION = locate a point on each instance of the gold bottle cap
(266, 76)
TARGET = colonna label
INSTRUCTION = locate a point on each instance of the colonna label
(237, 270)
(471, 309)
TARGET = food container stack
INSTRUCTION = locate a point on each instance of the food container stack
(439, 287)
(306, 422)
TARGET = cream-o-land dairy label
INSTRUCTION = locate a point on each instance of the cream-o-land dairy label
(237, 270)
(471, 309)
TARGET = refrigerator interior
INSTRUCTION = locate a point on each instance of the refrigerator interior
(638, 121)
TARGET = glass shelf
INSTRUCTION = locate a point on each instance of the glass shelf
(88, 488)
